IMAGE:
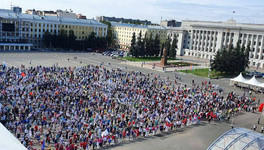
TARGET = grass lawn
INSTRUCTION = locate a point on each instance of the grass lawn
(182, 64)
(145, 58)
(204, 73)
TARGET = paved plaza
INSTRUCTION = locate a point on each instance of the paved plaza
(195, 137)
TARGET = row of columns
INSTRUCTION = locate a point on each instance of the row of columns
(210, 44)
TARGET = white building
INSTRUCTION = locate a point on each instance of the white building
(124, 32)
(203, 39)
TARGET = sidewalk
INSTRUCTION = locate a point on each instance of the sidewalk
(149, 65)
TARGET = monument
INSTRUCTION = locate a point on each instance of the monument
(164, 58)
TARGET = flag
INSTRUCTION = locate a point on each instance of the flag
(23, 74)
(191, 67)
(261, 107)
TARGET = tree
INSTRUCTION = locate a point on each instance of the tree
(133, 45)
(54, 40)
(168, 45)
(231, 60)
(139, 45)
(156, 45)
(101, 42)
(172, 53)
(110, 38)
(215, 65)
(62, 39)
(91, 41)
(145, 45)
(71, 40)
(150, 46)
(47, 39)
(246, 57)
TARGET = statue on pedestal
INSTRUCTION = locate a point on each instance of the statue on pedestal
(164, 58)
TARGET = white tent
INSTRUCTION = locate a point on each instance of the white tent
(238, 79)
(262, 85)
(253, 82)
(8, 141)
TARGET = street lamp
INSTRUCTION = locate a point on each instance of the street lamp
(209, 73)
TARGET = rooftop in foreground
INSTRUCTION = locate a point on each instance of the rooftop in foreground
(239, 139)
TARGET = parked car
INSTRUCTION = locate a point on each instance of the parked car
(256, 74)
(89, 50)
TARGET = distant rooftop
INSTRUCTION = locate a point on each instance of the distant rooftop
(230, 21)
(123, 20)
(137, 26)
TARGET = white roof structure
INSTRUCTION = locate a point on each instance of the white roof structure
(262, 85)
(239, 78)
(244, 82)
(8, 141)
(239, 139)
(253, 81)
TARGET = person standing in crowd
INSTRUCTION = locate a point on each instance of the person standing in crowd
(91, 106)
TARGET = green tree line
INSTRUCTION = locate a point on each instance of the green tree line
(110, 37)
(69, 42)
(231, 60)
(148, 46)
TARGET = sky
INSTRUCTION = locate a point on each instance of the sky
(246, 11)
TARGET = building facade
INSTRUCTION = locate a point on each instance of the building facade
(170, 23)
(203, 39)
(124, 32)
(28, 29)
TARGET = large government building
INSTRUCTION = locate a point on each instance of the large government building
(203, 39)
(25, 31)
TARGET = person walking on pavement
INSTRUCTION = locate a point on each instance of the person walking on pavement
(258, 120)
(262, 129)
(254, 127)
(232, 125)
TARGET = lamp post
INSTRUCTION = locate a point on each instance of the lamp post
(209, 73)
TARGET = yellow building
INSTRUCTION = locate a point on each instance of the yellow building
(30, 28)
(124, 32)
(82, 28)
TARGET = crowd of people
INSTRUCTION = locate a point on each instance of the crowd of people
(90, 107)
